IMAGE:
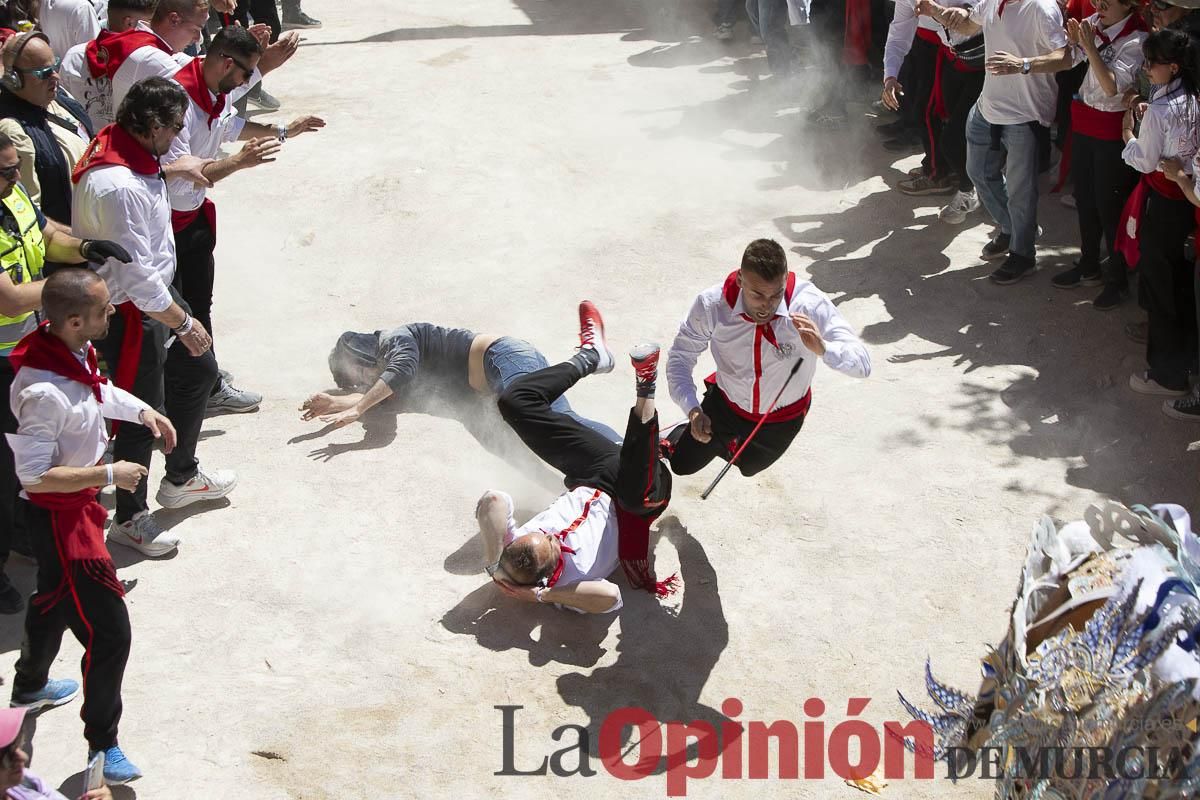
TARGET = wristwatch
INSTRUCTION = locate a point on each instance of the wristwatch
(1026, 65)
(281, 132)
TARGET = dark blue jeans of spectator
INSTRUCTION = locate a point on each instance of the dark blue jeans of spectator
(769, 18)
(508, 359)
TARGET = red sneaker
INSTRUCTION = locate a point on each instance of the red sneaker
(591, 334)
(644, 358)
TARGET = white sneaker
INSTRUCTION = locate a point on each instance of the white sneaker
(963, 203)
(203, 486)
(144, 534)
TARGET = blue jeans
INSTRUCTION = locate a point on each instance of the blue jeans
(1006, 178)
(508, 359)
(769, 19)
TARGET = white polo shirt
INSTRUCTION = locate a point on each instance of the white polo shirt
(1026, 29)
(113, 202)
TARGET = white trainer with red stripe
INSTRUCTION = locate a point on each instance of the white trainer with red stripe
(591, 334)
(203, 486)
(144, 534)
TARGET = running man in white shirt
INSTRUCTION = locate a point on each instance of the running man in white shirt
(61, 401)
(758, 323)
(565, 554)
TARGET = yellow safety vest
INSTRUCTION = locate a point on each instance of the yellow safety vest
(21, 257)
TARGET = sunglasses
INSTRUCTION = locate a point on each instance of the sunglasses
(241, 66)
(41, 73)
(9, 173)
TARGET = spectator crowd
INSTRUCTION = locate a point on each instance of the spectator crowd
(1100, 95)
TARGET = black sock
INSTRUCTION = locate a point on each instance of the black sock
(586, 360)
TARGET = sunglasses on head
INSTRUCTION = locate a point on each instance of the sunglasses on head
(41, 73)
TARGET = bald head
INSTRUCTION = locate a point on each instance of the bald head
(529, 559)
(30, 55)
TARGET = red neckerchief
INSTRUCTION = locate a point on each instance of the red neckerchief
(41, 349)
(191, 78)
(113, 145)
(107, 52)
(1133, 24)
(561, 535)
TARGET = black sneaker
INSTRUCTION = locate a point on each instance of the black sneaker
(996, 248)
(1076, 276)
(1013, 269)
(1109, 298)
(1184, 408)
(10, 598)
(299, 20)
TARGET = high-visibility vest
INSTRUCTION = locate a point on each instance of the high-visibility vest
(21, 257)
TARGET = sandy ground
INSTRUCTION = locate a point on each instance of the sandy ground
(326, 633)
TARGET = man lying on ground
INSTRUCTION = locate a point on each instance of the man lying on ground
(565, 554)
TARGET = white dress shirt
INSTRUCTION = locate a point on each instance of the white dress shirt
(1123, 56)
(94, 94)
(67, 23)
(1168, 130)
(594, 538)
(1028, 28)
(751, 379)
(60, 423)
(199, 139)
(113, 202)
(145, 62)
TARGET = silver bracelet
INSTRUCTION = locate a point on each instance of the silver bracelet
(538, 592)
(109, 474)
(185, 327)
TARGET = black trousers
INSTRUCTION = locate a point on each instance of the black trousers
(919, 66)
(1068, 82)
(728, 432)
(12, 507)
(960, 90)
(1103, 182)
(263, 11)
(171, 381)
(99, 620)
(195, 268)
(1166, 289)
(631, 472)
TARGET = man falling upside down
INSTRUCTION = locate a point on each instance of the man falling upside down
(565, 554)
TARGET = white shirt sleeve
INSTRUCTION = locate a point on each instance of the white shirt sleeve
(69, 23)
(1053, 32)
(120, 404)
(980, 12)
(844, 351)
(510, 528)
(41, 413)
(1127, 65)
(900, 38)
(233, 129)
(692, 340)
(138, 279)
(1144, 151)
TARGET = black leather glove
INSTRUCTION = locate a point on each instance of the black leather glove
(97, 251)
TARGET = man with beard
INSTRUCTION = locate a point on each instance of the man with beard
(213, 84)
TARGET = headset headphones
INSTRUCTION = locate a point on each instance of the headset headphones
(11, 79)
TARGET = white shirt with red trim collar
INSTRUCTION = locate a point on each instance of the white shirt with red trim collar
(95, 94)
(593, 538)
(145, 62)
(750, 370)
